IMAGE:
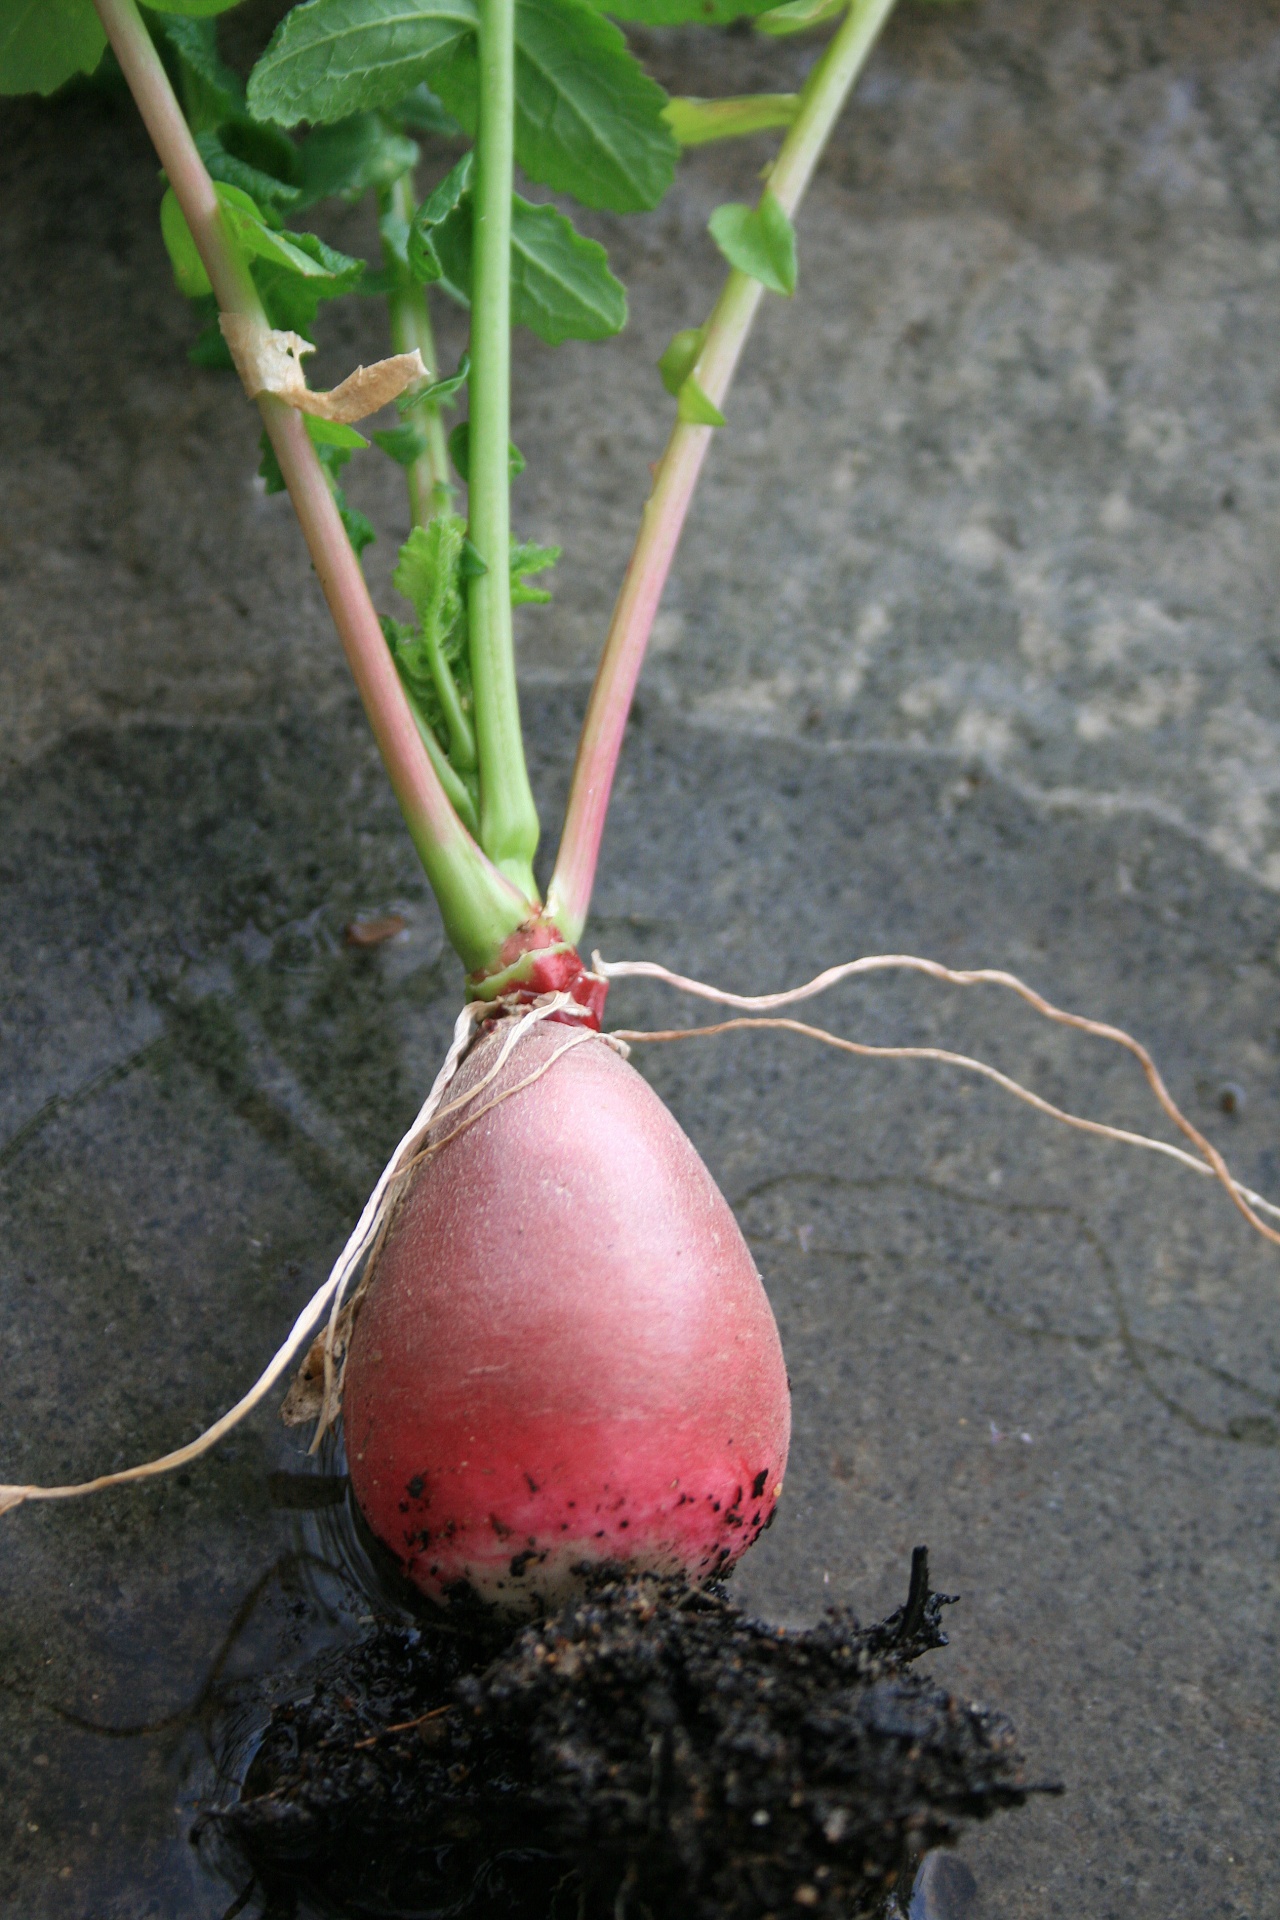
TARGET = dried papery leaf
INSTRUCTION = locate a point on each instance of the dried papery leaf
(269, 360)
(316, 1392)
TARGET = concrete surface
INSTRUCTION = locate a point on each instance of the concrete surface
(970, 653)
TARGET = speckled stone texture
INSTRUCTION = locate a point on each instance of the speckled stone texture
(969, 652)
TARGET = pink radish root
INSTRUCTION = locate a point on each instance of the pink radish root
(566, 1355)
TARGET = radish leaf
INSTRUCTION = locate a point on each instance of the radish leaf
(561, 286)
(428, 577)
(211, 92)
(331, 58)
(460, 454)
(188, 267)
(274, 196)
(696, 408)
(681, 357)
(696, 122)
(334, 433)
(194, 9)
(679, 13)
(759, 241)
(43, 43)
(440, 392)
(335, 445)
(588, 117)
(797, 16)
(293, 271)
(421, 110)
(527, 557)
(344, 160)
(404, 443)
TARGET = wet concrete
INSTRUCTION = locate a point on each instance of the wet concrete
(1031, 359)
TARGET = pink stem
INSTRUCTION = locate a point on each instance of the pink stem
(825, 93)
(480, 905)
(569, 894)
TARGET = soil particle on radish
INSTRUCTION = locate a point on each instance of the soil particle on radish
(647, 1750)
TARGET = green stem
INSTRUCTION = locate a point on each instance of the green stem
(827, 89)
(430, 489)
(696, 122)
(508, 819)
(450, 779)
(462, 741)
(481, 908)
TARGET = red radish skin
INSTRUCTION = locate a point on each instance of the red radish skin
(566, 1354)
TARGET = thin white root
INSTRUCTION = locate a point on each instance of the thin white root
(1207, 1161)
(269, 360)
(362, 1242)
(414, 1148)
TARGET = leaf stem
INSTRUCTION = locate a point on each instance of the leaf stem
(508, 819)
(825, 93)
(481, 908)
(430, 489)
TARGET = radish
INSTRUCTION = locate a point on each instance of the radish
(566, 1355)
(562, 1353)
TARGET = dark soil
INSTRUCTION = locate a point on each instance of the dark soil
(647, 1751)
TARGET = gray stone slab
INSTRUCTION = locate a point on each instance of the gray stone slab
(969, 656)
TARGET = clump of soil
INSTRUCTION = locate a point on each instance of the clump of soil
(647, 1751)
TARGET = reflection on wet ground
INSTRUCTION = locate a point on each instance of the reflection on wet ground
(1182, 1382)
(1060, 1369)
(944, 1889)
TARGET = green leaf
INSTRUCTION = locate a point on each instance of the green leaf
(433, 661)
(440, 392)
(211, 92)
(334, 433)
(421, 254)
(404, 444)
(424, 113)
(360, 529)
(345, 160)
(209, 349)
(331, 58)
(269, 466)
(44, 43)
(460, 453)
(444, 198)
(679, 13)
(188, 267)
(588, 117)
(527, 557)
(334, 442)
(695, 407)
(292, 271)
(428, 575)
(696, 122)
(265, 148)
(797, 16)
(681, 357)
(193, 9)
(561, 286)
(274, 196)
(303, 255)
(759, 241)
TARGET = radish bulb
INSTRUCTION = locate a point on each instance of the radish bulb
(566, 1355)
